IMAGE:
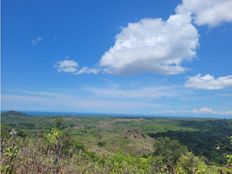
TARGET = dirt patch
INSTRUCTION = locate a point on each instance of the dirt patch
(104, 124)
(135, 133)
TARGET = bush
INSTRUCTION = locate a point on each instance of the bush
(190, 164)
(169, 151)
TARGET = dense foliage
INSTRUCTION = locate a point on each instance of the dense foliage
(104, 145)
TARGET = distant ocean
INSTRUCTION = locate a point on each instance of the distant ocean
(36, 113)
(40, 113)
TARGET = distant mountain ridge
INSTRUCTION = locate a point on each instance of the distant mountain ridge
(13, 113)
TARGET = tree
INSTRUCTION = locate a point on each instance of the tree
(57, 139)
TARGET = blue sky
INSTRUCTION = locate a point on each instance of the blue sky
(132, 57)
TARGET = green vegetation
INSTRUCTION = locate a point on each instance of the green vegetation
(104, 145)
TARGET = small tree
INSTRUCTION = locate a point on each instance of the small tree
(56, 139)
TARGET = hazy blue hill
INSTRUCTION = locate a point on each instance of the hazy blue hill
(23, 123)
(13, 113)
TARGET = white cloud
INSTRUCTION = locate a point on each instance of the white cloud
(152, 45)
(203, 110)
(209, 82)
(207, 12)
(196, 111)
(159, 46)
(134, 93)
(36, 40)
(71, 66)
(87, 70)
(207, 110)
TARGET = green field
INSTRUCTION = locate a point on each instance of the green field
(43, 144)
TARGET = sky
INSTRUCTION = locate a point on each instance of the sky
(145, 57)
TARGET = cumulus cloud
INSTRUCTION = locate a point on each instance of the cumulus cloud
(152, 45)
(161, 46)
(209, 82)
(207, 12)
(155, 45)
(71, 66)
(36, 40)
